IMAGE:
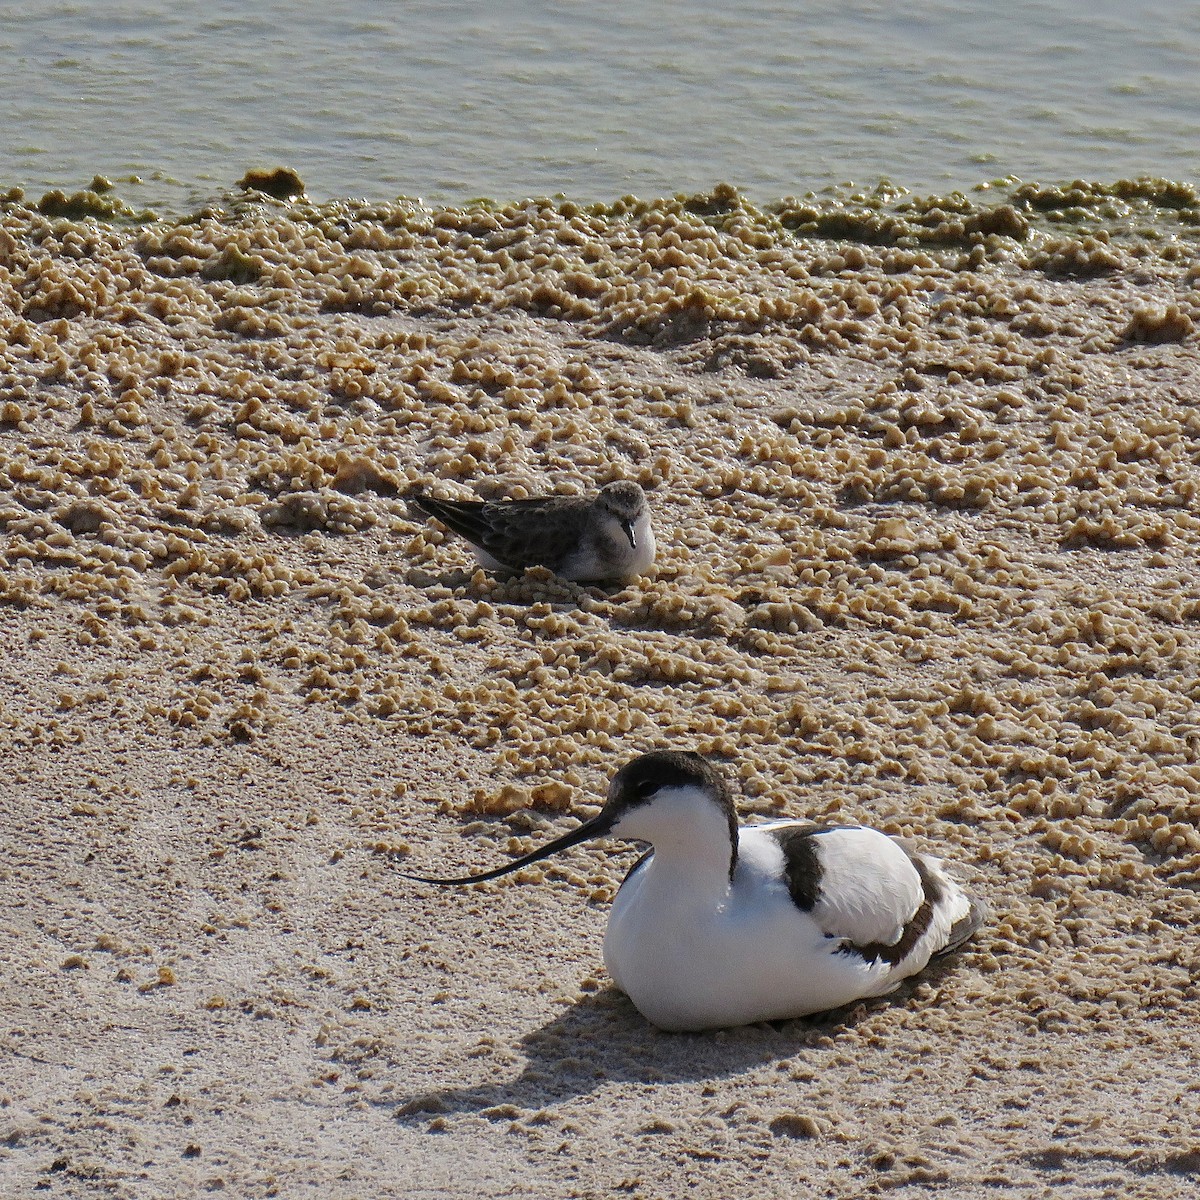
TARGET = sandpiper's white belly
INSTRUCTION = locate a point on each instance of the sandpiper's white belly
(643, 557)
(619, 560)
(487, 562)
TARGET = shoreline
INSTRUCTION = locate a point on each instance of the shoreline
(1140, 207)
(926, 509)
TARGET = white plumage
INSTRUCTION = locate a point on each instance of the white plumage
(723, 926)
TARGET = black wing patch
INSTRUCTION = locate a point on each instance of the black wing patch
(912, 933)
(801, 863)
(802, 867)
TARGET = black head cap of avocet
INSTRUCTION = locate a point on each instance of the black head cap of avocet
(660, 798)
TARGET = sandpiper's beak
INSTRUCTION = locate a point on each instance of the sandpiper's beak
(598, 826)
(630, 533)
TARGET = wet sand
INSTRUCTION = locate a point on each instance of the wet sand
(925, 489)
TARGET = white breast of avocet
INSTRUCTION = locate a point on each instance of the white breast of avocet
(694, 948)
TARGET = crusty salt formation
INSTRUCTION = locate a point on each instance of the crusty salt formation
(924, 482)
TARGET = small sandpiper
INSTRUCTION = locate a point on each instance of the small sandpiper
(719, 925)
(587, 539)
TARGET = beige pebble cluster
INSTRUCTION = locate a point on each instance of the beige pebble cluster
(924, 481)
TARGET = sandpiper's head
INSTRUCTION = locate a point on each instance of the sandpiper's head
(624, 502)
(647, 800)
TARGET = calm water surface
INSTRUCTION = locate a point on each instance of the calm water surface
(451, 100)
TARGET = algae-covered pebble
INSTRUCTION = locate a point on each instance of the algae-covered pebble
(281, 182)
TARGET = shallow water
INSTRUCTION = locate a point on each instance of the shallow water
(452, 100)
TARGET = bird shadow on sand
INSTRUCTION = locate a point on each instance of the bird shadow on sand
(602, 1039)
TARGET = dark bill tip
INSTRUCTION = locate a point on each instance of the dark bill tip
(596, 827)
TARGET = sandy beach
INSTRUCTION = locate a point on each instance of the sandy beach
(925, 485)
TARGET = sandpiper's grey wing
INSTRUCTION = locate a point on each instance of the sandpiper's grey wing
(539, 532)
(467, 518)
(518, 533)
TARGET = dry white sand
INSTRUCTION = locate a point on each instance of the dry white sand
(928, 529)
